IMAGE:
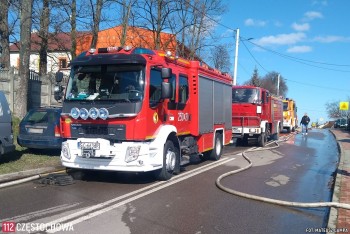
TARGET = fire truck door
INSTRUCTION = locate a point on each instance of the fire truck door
(267, 102)
(180, 111)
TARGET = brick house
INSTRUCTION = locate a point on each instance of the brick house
(59, 45)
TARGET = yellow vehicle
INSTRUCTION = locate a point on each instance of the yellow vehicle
(290, 118)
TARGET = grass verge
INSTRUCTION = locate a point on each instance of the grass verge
(24, 159)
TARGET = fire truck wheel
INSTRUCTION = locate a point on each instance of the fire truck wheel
(262, 139)
(170, 161)
(215, 153)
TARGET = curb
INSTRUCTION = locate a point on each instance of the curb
(25, 176)
(333, 214)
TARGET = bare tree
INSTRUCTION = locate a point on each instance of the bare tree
(44, 36)
(96, 19)
(333, 110)
(25, 48)
(220, 57)
(73, 23)
(126, 12)
(203, 23)
(269, 82)
(4, 35)
(153, 15)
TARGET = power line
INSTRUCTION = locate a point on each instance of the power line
(318, 86)
(253, 56)
(295, 58)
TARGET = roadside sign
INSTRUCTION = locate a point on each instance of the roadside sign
(344, 106)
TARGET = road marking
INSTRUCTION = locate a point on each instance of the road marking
(24, 218)
(81, 216)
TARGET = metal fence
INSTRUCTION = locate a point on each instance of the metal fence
(40, 89)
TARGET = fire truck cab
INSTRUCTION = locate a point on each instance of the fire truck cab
(290, 119)
(255, 114)
(141, 110)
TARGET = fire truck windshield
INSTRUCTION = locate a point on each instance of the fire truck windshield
(121, 83)
(245, 96)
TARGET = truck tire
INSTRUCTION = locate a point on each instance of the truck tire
(170, 161)
(239, 141)
(216, 152)
(262, 139)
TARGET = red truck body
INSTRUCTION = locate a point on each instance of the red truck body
(143, 110)
(255, 114)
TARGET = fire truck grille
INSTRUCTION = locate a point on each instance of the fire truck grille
(245, 121)
(112, 132)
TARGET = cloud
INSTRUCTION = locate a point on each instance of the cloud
(320, 2)
(330, 39)
(253, 22)
(299, 49)
(301, 27)
(282, 39)
(311, 15)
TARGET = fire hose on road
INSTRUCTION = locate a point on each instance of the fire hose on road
(269, 200)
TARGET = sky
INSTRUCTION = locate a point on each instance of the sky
(306, 41)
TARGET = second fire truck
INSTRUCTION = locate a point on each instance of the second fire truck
(255, 114)
(141, 110)
(290, 119)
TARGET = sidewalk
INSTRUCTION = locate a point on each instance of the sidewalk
(340, 218)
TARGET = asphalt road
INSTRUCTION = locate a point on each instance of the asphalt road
(301, 169)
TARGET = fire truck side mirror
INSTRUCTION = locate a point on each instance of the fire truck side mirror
(166, 73)
(59, 76)
(58, 92)
(167, 91)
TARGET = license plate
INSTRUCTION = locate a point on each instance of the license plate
(35, 130)
(89, 145)
(88, 153)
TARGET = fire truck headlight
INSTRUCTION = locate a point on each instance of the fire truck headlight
(84, 114)
(93, 113)
(132, 153)
(75, 112)
(103, 113)
(65, 151)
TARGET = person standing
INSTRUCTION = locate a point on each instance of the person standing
(304, 123)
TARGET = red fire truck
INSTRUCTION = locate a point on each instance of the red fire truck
(142, 110)
(255, 114)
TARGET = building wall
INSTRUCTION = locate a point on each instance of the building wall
(34, 62)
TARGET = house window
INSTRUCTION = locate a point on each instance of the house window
(62, 63)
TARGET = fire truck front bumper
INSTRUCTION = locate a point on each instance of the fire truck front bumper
(100, 154)
(239, 132)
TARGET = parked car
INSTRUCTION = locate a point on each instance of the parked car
(40, 129)
(6, 133)
(340, 123)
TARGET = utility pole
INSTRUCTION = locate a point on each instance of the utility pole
(278, 84)
(236, 58)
